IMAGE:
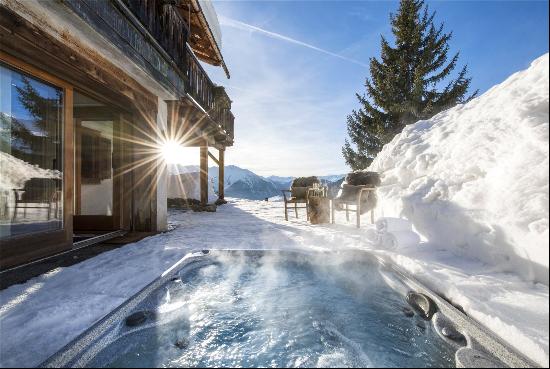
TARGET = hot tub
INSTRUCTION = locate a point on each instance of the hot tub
(286, 309)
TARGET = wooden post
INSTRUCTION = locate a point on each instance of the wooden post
(221, 170)
(286, 211)
(204, 174)
(358, 213)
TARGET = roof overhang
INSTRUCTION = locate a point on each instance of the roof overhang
(204, 32)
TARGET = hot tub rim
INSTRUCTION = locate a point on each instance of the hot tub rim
(479, 337)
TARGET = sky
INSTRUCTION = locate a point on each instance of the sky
(296, 67)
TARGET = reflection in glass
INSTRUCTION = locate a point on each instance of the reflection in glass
(31, 161)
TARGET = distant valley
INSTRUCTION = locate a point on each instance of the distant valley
(245, 184)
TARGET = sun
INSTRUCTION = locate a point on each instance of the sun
(172, 152)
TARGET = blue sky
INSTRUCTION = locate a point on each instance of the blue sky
(296, 66)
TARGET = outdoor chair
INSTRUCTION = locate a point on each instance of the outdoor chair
(38, 193)
(299, 191)
(358, 191)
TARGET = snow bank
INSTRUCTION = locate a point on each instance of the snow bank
(212, 19)
(474, 179)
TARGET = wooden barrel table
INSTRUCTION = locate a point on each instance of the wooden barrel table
(319, 209)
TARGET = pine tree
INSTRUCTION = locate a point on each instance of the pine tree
(406, 85)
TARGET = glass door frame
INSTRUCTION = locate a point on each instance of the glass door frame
(22, 248)
(84, 223)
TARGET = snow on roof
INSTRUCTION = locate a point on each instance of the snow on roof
(212, 19)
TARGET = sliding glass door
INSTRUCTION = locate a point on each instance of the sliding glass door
(36, 166)
(31, 155)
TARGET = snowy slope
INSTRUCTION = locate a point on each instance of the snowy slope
(239, 182)
(253, 188)
(332, 178)
(474, 179)
(245, 184)
(280, 179)
(282, 183)
(232, 174)
(187, 186)
(285, 182)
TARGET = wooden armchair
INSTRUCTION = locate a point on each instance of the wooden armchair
(38, 193)
(360, 193)
(299, 192)
(363, 200)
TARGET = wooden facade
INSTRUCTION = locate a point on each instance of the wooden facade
(154, 37)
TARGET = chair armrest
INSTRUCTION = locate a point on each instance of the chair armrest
(284, 193)
(364, 189)
(367, 189)
(18, 192)
(55, 196)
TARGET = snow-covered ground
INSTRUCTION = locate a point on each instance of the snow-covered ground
(474, 179)
(41, 316)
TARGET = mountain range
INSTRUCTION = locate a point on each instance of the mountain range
(243, 183)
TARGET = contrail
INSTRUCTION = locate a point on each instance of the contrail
(248, 27)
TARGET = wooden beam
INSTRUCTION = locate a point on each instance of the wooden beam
(76, 64)
(221, 178)
(204, 174)
(213, 158)
(93, 112)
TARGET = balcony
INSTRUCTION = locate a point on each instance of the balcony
(162, 21)
(212, 98)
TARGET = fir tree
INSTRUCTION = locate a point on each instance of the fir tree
(409, 83)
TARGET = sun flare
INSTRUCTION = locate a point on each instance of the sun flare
(173, 152)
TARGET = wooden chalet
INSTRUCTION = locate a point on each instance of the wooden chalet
(90, 90)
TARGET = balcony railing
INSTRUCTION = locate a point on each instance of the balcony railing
(230, 126)
(170, 31)
(166, 26)
(212, 98)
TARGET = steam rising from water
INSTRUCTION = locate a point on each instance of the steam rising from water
(273, 311)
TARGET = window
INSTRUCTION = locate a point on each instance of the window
(31, 154)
